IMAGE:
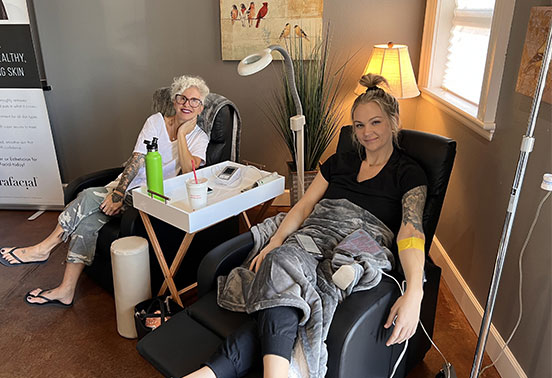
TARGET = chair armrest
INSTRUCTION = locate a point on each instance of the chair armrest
(221, 260)
(99, 178)
(129, 222)
(356, 339)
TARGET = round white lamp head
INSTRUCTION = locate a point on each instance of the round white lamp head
(254, 63)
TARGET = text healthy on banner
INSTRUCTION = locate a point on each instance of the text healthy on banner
(29, 172)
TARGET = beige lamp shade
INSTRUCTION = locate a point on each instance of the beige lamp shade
(393, 63)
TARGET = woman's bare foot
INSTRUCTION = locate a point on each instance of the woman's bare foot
(36, 253)
(63, 295)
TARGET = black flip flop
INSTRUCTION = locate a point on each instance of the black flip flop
(5, 262)
(49, 302)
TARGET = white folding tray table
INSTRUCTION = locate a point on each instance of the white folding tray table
(223, 203)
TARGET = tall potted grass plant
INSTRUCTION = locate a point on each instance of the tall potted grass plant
(318, 86)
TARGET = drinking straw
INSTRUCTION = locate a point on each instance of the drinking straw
(193, 169)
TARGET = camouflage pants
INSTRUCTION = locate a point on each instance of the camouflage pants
(81, 220)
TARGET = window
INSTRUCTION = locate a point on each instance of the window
(463, 58)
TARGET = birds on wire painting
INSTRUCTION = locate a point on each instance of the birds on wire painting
(249, 27)
(248, 14)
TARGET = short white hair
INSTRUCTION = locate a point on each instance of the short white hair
(181, 83)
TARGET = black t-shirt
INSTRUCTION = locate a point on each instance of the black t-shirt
(382, 194)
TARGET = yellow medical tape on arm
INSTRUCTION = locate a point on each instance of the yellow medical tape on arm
(412, 242)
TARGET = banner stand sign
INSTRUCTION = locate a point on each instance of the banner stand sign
(29, 171)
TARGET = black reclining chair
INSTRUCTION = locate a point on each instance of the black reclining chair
(223, 145)
(356, 340)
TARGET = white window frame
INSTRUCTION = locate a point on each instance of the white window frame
(437, 25)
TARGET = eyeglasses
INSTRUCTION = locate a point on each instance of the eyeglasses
(181, 99)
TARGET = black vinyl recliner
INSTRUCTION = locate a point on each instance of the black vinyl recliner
(356, 340)
(223, 145)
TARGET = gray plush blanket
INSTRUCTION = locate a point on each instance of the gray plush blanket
(291, 276)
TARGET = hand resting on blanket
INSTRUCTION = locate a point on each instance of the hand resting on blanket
(257, 260)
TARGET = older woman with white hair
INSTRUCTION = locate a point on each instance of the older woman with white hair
(180, 141)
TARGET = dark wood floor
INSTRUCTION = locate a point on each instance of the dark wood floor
(83, 341)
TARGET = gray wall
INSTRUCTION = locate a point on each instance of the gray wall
(475, 207)
(103, 60)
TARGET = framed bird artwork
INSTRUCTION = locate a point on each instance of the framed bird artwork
(250, 26)
(540, 22)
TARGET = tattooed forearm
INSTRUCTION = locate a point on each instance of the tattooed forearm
(116, 197)
(132, 167)
(413, 203)
(128, 160)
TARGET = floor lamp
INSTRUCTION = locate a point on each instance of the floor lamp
(257, 62)
(526, 147)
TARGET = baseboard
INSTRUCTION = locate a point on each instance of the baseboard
(507, 365)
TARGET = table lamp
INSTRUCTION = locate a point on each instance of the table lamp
(256, 62)
(393, 63)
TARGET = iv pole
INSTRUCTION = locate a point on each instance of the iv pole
(526, 147)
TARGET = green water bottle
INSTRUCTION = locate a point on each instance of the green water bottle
(154, 168)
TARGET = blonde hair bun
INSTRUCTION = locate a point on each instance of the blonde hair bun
(372, 80)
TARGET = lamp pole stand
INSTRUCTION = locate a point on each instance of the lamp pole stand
(256, 62)
(526, 147)
(297, 122)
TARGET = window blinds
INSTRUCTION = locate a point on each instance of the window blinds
(467, 50)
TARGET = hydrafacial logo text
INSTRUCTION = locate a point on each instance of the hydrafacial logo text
(22, 183)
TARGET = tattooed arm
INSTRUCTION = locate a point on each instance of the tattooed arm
(113, 203)
(406, 310)
(185, 157)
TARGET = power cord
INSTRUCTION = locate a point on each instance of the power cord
(520, 266)
(255, 169)
(401, 288)
(448, 366)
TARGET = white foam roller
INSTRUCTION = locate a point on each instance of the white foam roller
(131, 280)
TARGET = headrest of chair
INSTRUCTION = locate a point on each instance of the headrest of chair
(213, 104)
(162, 102)
(435, 153)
